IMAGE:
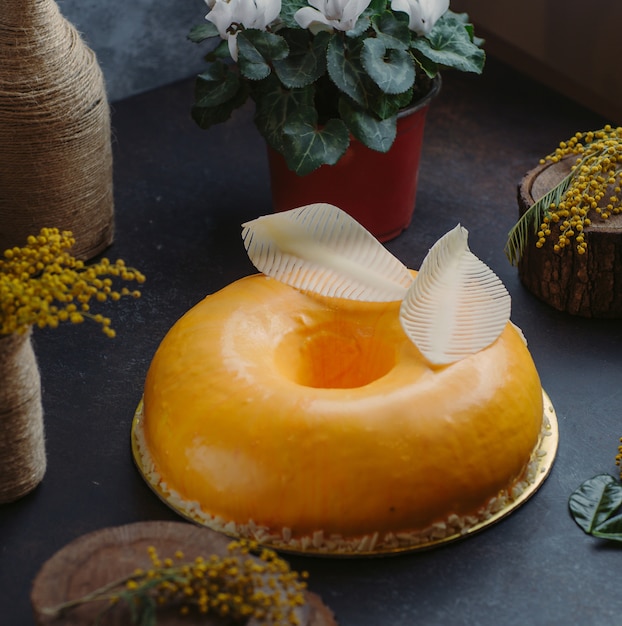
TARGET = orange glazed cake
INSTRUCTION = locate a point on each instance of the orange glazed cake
(315, 423)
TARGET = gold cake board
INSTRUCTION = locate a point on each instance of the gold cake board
(544, 456)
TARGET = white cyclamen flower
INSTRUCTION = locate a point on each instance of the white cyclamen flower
(422, 14)
(330, 14)
(229, 15)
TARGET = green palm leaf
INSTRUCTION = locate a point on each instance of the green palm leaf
(532, 218)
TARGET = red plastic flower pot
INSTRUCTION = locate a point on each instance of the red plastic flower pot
(377, 189)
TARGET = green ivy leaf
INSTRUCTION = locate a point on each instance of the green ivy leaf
(449, 44)
(610, 529)
(307, 58)
(215, 85)
(345, 69)
(392, 30)
(392, 70)
(594, 504)
(429, 67)
(376, 134)
(275, 105)
(374, 8)
(220, 52)
(202, 32)
(362, 24)
(206, 117)
(288, 10)
(385, 106)
(218, 92)
(464, 18)
(308, 146)
(257, 49)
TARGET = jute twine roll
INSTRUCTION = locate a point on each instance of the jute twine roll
(55, 146)
(22, 445)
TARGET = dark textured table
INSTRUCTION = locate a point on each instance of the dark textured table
(181, 195)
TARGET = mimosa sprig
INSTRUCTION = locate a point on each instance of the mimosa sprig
(42, 284)
(235, 586)
(593, 186)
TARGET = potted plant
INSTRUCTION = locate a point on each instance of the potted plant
(332, 80)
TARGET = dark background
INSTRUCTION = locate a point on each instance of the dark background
(181, 195)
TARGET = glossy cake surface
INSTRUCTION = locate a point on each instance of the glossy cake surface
(309, 416)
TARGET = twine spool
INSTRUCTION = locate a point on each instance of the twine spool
(55, 146)
(22, 446)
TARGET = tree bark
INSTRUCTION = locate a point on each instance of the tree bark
(588, 285)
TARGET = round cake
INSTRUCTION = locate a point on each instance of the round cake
(314, 423)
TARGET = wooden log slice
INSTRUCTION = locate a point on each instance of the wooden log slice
(588, 285)
(98, 558)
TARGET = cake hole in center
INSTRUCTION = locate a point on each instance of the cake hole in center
(334, 356)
